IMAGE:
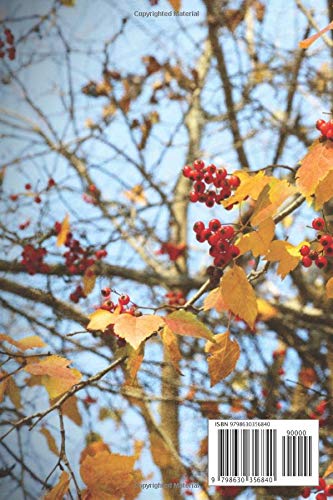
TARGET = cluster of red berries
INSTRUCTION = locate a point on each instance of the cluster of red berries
(121, 306)
(220, 240)
(175, 298)
(77, 294)
(33, 259)
(320, 413)
(324, 490)
(173, 250)
(318, 257)
(326, 128)
(9, 40)
(204, 176)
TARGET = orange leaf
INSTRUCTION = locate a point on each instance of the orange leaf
(3, 384)
(60, 489)
(100, 319)
(175, 4)
(62, 235)
(329, 470)
(185, 323)
(24, 344)
(134, 360)
(214, 300)
(14, 393)
(50, 440)
(223, 357)
(70, 409)
(56, 376)
(316, 164)
(136, 195)
(170, 342)
(135, 330)
(270, 199)
(324, 191)
(329, 288)
(239, 295)
(89, 280)
(210, 409)
(307, 376)
(251, 185)
(286, 254)
(304, 44)
(258, 241)
(161, 454)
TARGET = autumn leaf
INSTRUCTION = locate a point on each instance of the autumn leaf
(251, 185)
(24, 344)
(286, 254)
(89, 280)
(223, 357)
(258, 241)
(304, 44)
(169, 340)
(55, 374)
(186, 323)
(136, 195)
(100, 319)
(175, 4)
(324, 191)
(133, 361)
(68, 3)
(265, 310)
(239, 295)
(329, 470)
(316, 164)
(70, 409)
(14, 393)
(50, 440)
(161, 453)
(270, 199)
(214, 300)
(3, 383)
(110, 476)
(62, 235)
(307, 376)
(134, 330)
(329, 288)
(60, 489)
(210, 409)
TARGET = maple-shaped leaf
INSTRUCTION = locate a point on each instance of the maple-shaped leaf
(329, 288)
(55, 374)
(304, 44)
(223, 357)
(50, 440)
(134, 330)
(324, 191)
(214, 300)
(24, 344)
(89, 280)
(70, 409)
(286, 254)
(316, 164)
(258, 241)
(270, 199)
(251, 185)
(60, 489)
(65, 228)
(110, 476)
(186, 323)
(170, 342)
(100, 319)
(239, 295)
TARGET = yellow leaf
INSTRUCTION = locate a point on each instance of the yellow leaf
(185, 323)
(214, 300)
(286, 254)
(270, 199)
(62, 235)
(265, 310)
(14, 394)
(324, 191)
(251, 185)
(61, 488)
(161, 454)
(68, 3)
(89, 280)
(100, 319)
(175, 4)
(170, 342)
(136, 195)
(135, 330)
(110, 476)
(329, 288)
(329, 470)
(50, 440)
(55, 374)
(70, 409)
(24, 344)
(223, 357)
(258, 241)
(134, 360)
(315, 165)
(3, 384)
(239, 295)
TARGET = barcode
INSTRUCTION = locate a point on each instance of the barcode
(269, 452)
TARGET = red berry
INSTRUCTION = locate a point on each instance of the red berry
(124, 300)
(11, 53)
(321, 407)
(194, 197)
(321, 484)
(306, 261)
(329, 134)
(100, 254)
(199, 187)
(329, 250)
(326, 239)
(13, 197)
(229, 207)
(329, 490)
(214, 239)
(187, 170)
(106, 292)
(305, 250)
(206, 233)
(318, 223)
(200, 237)
(27, 187)
(234, 251)
(50, 182)
(321, 496)
(313, 255)
(227, 232)
(214, 225)
(319, 124)
(38, 199)
(321, 262)
(198, 226)
(281, 371)
(198, 164)
(234, 181)
(306, 492)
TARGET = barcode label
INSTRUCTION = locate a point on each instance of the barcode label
(254, 452)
